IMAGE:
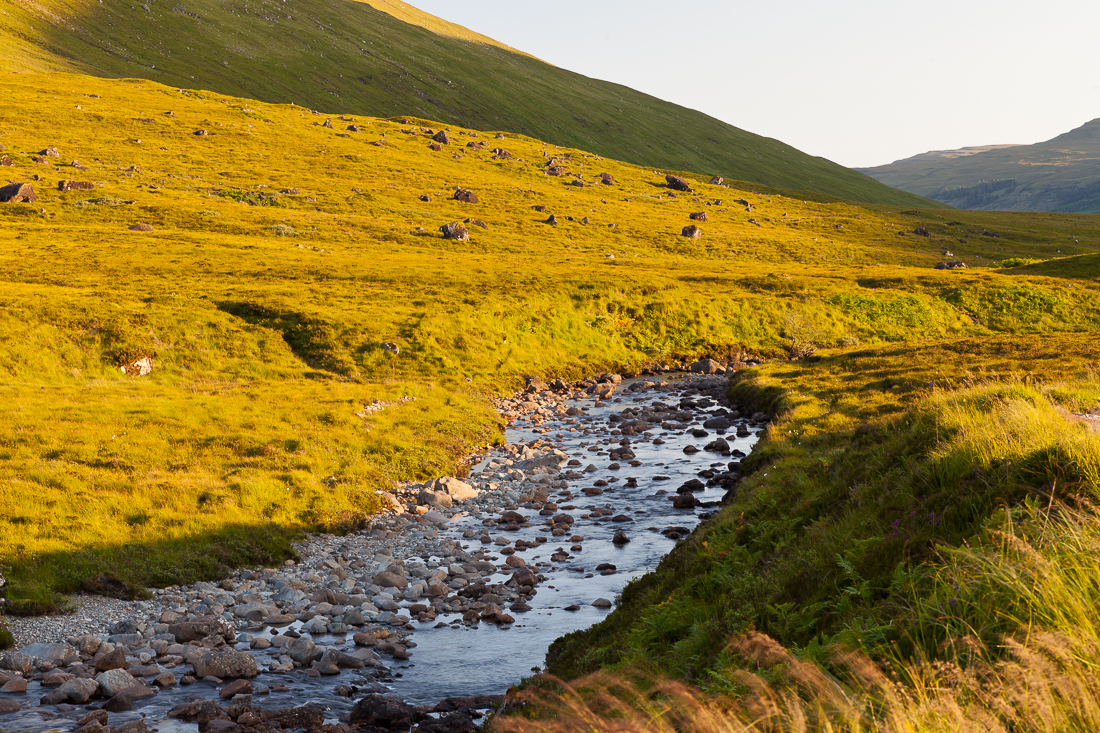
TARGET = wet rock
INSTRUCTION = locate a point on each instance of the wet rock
(237, 687)
(126, 699)
(601, 603)
(385, 712)
(15, 685)
(448, 723)
(202, 711)
(8, 706)
(303, 651)
(620, 538)
(225, 664)
(114, 681)
(718, 423)
(684, 501)
(16, 662)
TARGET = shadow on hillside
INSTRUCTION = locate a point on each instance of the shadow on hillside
(36, 585)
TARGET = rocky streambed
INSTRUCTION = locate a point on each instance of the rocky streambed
(427, 617)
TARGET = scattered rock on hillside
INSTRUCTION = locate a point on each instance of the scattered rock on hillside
(425, 198)
(353, 128)
(577, 182)
(74, 185)
(699, 216)
(952, 265)
(476, 223)
(455, 230)
(16, 193)
(717, 181)
(539, 207)
(678, 184)
(442, 137)
(607, 179)
(466, 196)
(692, 232)
(140, 228)
(139, 368)
(553, 220)
(51, 152)
(554, 170)
(922, 232)
(436, 147)
(5, 160)
(502, 154)
(328, 124)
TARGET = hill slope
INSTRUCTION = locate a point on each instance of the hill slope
(1062, 174)
(352, 57)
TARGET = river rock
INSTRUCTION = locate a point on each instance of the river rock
(620, 538)
(386, 579)
(601, 603)
(76, 691)
(435, 497)
(706, 366)
(125, 699)
(86, 643)
(225, 664)
(303, 651)
(199, 630)
(237, 687)
(718, 422)
(458, 490)
(256, 611)
(309, 717)
(382, 711)
(47, 652)
(114, 659)
(14, 685)
(16, 662)
(8, 706)
(114, 681)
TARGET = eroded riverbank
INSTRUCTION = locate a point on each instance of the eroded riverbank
(436, 603)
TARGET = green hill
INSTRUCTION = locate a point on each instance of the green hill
(1062, 174)
(353, 57)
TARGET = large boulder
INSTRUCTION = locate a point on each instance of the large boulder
(16, 662)
(381, 711)
(48, 652)
(386, 579)
(16, 193)
(677, 183)
(466, 196)
(455, 230)
(77, 691)
(114, 681)
(456, 489)
(198, 630)
(442, 137)
(706, 366)
(435, 497)
(303, 651)
(226, 664)
(256, 611)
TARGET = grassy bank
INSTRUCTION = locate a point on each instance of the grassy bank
(283, 254)
(884, 468)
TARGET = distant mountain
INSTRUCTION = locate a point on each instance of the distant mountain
(385, 58)
(1062, 174)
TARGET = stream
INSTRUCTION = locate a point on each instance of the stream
(452, 659)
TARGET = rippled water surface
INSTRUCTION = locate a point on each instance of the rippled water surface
(484, 659)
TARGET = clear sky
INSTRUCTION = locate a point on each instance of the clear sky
(861, 82)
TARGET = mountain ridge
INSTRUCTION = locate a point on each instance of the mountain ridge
(1060, 174)
(352, 57)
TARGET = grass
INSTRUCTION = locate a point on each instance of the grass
(881, 458)
(384, 59)
(264, 313)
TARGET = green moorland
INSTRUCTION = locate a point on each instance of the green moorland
(264, 310)
(385, 58)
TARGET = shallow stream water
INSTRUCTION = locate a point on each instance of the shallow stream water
(460, 660)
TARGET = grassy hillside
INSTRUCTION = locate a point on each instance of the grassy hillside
(1062, 174)
(283, 253)
(349, 57)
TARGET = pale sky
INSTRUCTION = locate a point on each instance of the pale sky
(861, 82)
